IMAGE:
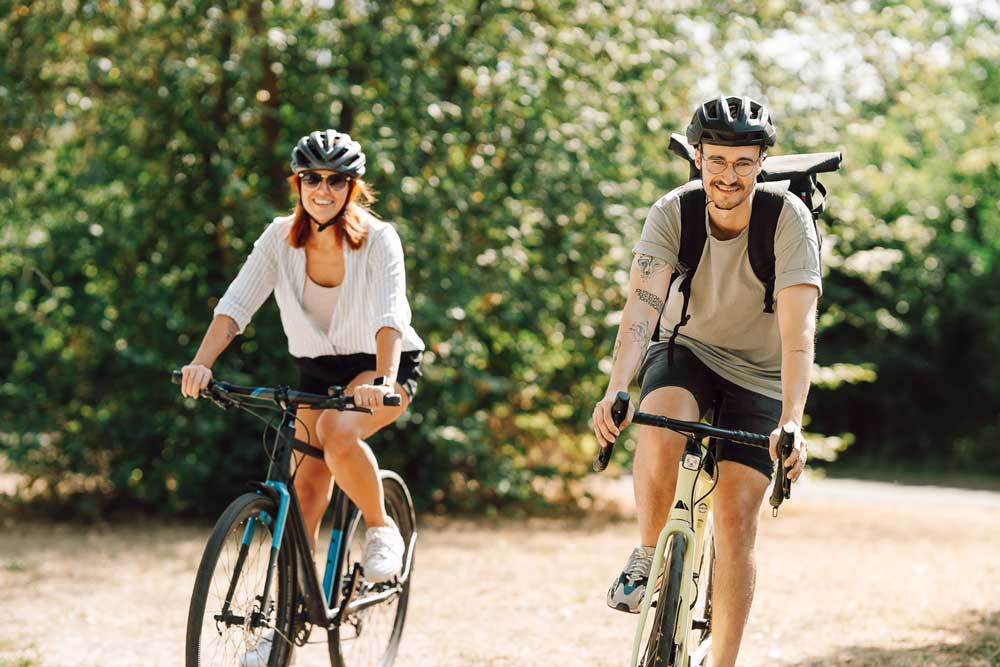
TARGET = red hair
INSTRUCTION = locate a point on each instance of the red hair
(351, 227)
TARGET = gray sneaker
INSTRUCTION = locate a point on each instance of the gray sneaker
(627, 590)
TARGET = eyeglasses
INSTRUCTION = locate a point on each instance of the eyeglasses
(335, 181)
(742, 167)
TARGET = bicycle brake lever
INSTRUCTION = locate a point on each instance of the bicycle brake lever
(619, 410)
(782, 484)
(225, 404)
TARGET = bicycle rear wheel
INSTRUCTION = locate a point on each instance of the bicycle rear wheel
(226, 619)
(370, 636)
(660, 648)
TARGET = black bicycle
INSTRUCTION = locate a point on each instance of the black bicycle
(258, 581)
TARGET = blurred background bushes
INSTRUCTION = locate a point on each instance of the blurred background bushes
(517, 146)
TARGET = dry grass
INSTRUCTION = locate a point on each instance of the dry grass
(884, 577)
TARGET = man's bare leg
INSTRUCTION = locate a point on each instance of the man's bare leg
(738, 497)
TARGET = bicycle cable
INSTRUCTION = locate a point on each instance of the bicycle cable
(709, 453)
(302, 455)
(269, 425)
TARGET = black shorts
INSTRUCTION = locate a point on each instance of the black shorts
(316, 374)
(737, 408)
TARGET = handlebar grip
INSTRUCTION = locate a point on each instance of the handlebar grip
(619, 410)
(176, 377)
(392, 400)
(754, 438)
(782, 485)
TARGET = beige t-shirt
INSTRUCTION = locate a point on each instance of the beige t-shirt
(729, 330)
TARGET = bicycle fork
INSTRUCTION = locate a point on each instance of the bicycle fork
(682, 521)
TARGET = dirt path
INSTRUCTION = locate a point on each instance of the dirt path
(887, 576)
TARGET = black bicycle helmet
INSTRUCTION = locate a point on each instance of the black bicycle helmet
(329, 149)
(731, 121)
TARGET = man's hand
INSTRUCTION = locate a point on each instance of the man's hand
(604, 425)
(796, 461)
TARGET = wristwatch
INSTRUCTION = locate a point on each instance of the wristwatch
(379, 381)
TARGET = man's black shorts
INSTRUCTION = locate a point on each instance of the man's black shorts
(738, 408)
(316, 374)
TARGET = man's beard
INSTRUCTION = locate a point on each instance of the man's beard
(730, 194)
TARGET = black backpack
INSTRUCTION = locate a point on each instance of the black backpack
(780, 174)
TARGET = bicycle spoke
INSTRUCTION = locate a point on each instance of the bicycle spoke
(223, 638)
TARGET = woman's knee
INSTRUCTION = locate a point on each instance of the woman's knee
(312, 486)
(338, 436)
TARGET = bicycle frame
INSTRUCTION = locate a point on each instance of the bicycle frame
(320, 600)
(690, 524)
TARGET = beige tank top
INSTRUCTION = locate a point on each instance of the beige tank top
(318, 302)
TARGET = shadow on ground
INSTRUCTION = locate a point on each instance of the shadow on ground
(976, 644)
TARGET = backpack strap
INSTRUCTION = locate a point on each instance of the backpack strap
(693, 238)
(768, 200)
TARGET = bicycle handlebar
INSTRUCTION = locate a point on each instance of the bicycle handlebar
(291, 396)
(782, 485)
(619, 409)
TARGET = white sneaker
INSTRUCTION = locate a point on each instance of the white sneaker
(382, 556)
(257, 657)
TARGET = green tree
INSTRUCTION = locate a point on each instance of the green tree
(516, 146)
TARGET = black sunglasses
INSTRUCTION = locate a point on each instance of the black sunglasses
(335, 181)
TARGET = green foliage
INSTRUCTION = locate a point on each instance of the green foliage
(516, 145)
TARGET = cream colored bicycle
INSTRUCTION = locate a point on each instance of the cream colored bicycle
(680, 634)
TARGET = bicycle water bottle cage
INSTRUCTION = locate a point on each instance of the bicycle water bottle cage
(335, 391)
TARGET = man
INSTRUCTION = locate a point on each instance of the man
(753, 367)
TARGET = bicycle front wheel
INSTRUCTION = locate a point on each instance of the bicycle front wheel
(228, 619)
(660, 648)
(700, 638)
(370, 633)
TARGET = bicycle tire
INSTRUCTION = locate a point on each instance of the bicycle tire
(228, 533)
(346, 647)
(702, 607)
(660, 648)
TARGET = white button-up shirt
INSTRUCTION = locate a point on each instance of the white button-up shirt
(372, 295)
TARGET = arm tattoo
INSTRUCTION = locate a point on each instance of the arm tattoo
(618, 347)
(640, 333)
(650, 299)
(649, 266)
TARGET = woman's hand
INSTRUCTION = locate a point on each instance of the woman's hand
(195, 377)
(371, 396)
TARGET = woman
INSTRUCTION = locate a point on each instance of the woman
(337, 274)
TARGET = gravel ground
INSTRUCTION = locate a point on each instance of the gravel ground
(887, 576)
